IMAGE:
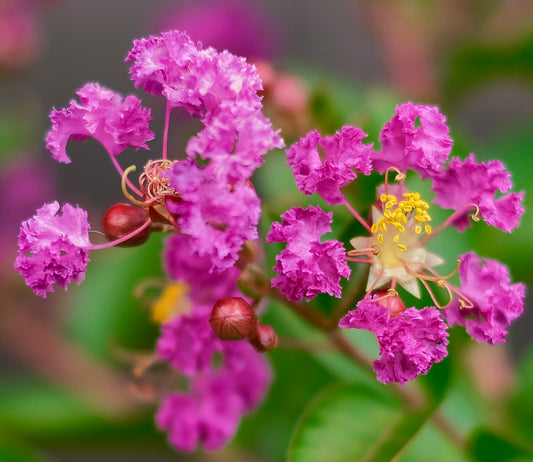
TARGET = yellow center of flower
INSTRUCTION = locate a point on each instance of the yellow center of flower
(172, 302)
(399, 226)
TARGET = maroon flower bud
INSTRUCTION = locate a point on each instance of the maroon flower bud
(233, 319)
(263, 338)
(123, 219)
(394, 305)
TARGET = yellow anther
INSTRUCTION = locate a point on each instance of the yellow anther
(418, 229)
(399, 227)
(387, 213)
(382, 227)
(462, 303)
(374, 228)
(396, 238)
(380, 238)
(402, 247)
(383, 198)
(427, 229)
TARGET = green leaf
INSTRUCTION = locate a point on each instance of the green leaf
(104, 310)
(15, 451)
(354, 422)
(488, 446)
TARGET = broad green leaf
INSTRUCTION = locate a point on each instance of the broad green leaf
(488, 446)
(354, 422)
(15, 451)
(104, 311)
(431, 445)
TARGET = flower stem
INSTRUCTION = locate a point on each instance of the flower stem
(165, 131)
(356, 215)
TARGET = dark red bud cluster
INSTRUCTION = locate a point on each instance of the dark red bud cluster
(232, 318)
(123, 219)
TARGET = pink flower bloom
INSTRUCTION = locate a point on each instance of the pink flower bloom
(468, 182)
(496, 302)
(217, 217)
(102, 114)
(188, 342)
(409, 343)
(183, 263)
(416, 138)
(210, 414)
(327, 174)
(52, 248)
(307, 266)
(221, 88)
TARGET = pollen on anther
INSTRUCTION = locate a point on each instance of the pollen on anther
(402, 247)
(427, 229)
(396, 238)
(418, 229)
(380, 238)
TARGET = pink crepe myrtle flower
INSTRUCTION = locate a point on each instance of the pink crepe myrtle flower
(53, 248)
(496, 303)
(409, 342)
(221, 88)
(102, 114)
(416, 139)
(225, 379)
(344, 154)
(466, 182)
(213, 201)
(218, 218)
(209, 414)
(307, 266)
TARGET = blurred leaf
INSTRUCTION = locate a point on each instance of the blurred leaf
(431, 441)
(33, 407)
(487, 446)
(104, 309)
(354, 422)
(472, 64)
(14, 451)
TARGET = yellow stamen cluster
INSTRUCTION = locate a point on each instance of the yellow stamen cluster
(396, 214)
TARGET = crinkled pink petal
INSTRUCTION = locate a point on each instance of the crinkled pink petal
(307, 267)
(344, 155)
(102, 114)
(183, 263)
(416, 138)
(469, 182)
(497, 303)
(188, 342)
(52, 248)
(221, 88)
(218, 218)
(409, 343)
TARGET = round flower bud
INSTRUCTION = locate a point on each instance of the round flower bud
(264, 338)
(395, 305)
(233, 319)
(123, 219)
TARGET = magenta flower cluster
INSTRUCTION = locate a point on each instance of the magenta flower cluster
(415, 139)
(206, 199)
(218, 208)
(226, 379)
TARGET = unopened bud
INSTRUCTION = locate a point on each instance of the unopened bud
(233, 319)
(394, 304)
(264, 338)
(123, 219)
(251, 281)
